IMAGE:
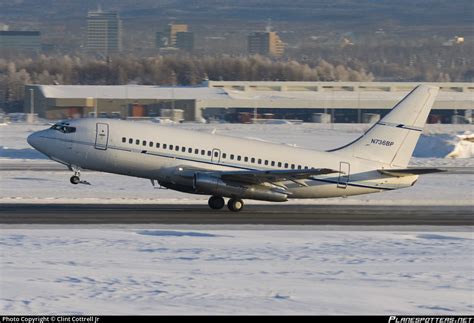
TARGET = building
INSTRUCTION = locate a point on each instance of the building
(172, 30)
(161, 40)
(344, 102)
(185, 41)
(104, 32)
(20, 40)
(266, 43)
(176, 36)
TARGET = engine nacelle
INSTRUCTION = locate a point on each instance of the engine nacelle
(213, 185)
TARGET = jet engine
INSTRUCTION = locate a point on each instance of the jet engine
(213, 185)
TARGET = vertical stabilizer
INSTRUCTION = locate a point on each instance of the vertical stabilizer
(391, 141)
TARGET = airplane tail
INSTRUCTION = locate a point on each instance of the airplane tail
(391, 141)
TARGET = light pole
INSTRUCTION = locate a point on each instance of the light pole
(31, 117)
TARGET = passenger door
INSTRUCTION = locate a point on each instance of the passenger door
(102, 136)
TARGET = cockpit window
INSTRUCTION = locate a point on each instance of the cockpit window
(63, 128)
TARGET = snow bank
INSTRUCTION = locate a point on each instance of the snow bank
(464, 147)
(166, 271)
(445, 146)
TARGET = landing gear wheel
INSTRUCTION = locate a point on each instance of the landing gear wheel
(216, 202)
(75, 180)
(235, 205)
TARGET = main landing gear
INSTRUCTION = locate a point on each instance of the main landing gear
(217, 203)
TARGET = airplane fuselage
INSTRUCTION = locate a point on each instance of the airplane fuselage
(160, 153)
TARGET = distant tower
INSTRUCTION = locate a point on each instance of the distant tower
(172, 30)
(176, 36)
(104, 32)
(265, 42)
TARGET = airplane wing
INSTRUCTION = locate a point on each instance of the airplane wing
(251, 177)
(427, 170)
(271, 176)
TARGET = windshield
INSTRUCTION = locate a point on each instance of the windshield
(64, 128)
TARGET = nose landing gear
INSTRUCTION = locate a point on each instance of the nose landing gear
(76, 178)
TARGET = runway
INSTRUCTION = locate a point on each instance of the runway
(274, 214)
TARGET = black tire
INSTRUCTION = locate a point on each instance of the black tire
(216, 202)
(75, 180)
(235, 205)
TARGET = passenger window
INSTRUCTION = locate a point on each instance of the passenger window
(273, 163)
(299, 166)
(190, 150)
(196, 151)
(216, 154)
(279, 164)
(246, 159)
(292, 166)
(239, 158)
(176, 148)
(266, 162)
(183, 149)
(171, 147)
(259, 161)
(306, 167)
(157, 145)
(252, 160)
(124, 139)
(144, 142)
(203, 152)
(286, 165)
(209, 153)
(137, 141)
(232, 157)
(130, 141)
(224, 155)
(150, 144)
(164, 146)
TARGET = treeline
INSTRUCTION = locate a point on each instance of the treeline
(159, 70)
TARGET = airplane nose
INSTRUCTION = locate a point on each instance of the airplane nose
(33, 140)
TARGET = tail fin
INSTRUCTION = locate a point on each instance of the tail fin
(391, 141)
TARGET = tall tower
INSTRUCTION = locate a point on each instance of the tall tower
(265, 43)
(104, 32)
(172, 30)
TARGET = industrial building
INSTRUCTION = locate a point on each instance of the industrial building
(243, 101)
(20, 40)
(104, 32)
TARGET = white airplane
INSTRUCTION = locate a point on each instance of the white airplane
(234, 168)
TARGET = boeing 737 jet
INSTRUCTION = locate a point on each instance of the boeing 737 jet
(227, 167)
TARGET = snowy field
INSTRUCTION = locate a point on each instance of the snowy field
(204, 271)
(154, 269)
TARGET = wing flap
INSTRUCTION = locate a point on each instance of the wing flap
(271, 176)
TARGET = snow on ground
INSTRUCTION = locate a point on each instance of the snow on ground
(165, 271)
(54, 187)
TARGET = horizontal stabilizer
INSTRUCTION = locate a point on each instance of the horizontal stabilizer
(427, 170)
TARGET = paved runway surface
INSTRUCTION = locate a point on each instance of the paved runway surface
(275, 214)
